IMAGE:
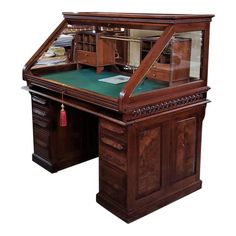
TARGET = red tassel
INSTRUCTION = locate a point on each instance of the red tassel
(63, 120)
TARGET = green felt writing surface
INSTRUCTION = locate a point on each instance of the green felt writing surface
(88, 79)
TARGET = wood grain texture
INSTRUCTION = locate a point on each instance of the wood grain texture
(185, 148)
(149, 162)
(162, 164)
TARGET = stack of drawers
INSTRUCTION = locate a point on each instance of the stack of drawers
(160, 72)
(55, 147)
(113, 161)
(41, 126)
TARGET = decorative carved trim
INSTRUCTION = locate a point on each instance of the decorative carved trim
(167, 105)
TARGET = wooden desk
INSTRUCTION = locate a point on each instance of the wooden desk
(147, 131)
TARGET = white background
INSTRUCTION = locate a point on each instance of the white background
(35, 202)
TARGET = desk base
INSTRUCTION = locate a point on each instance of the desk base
(57, 166)
(128, 217)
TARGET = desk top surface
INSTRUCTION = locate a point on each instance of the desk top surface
(88, 79)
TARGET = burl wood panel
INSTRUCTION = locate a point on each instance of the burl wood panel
(185, 149)
(149, 161)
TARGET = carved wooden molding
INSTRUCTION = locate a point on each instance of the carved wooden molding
(167, 105)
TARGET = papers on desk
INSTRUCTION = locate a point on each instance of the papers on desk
(118, 79)
(51, 61)
(63, 40)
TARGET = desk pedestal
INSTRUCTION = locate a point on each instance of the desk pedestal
(56, 147)
(149, 164)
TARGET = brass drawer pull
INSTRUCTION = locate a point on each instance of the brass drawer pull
(39, 100)
(113, 144)
(39, 112)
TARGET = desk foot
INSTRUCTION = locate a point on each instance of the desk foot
(129, 216)
(57, 166)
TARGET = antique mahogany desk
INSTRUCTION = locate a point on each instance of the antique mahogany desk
(134, 87)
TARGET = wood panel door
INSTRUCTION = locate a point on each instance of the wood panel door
(186, 145)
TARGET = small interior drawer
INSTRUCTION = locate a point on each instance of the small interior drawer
(88, 58)
(159, 74)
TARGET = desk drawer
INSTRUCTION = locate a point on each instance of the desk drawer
(112, 182)
(88, 58)
(39, 100)
(40, 110)
(41, 134)
(42, 123)
(159, 74)
(41, 142)
(113, 144)
(113, 151)
(113, 129)
(41, 151)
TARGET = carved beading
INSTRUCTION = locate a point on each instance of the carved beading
(167, 105)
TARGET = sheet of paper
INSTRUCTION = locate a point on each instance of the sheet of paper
(118, 79)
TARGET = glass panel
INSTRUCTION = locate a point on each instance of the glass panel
(158, 75)
(61, 50)
(194, 42)
(179, 62)
(96, 57)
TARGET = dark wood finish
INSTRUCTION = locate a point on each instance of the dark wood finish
(157, 166)
(134, 18)
(149, 161)
(172, 67)
(55, 147)
(91, 50)
(149, 145)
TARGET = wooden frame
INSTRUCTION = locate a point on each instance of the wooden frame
(150, 21)
(149, 144)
